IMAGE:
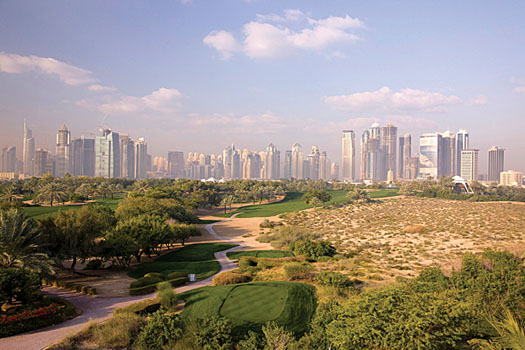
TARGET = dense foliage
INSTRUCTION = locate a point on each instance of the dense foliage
(313, 250)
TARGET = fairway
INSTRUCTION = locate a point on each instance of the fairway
(249, 305)
(293, 202)
(196, 258)
(260, 254)
(260, 303)
(43, 212)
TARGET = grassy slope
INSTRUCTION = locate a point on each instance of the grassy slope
(260, 254)
(42, 212)
(293, 202)
(289, 304)
(195, 258)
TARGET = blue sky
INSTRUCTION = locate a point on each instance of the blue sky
(199, 75)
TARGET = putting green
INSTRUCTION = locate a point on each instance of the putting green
(254, 303)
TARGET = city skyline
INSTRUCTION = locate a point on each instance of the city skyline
(206, 80)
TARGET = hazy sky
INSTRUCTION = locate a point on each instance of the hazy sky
(199, 75)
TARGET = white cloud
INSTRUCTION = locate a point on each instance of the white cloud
(222, 41)
(69, 74)
(101, 88)
(265, 123)
(163, 101)
(479, 100)
(263, 40)
(386, 100)
(520, 89)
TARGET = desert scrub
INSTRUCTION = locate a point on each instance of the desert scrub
(298, 271)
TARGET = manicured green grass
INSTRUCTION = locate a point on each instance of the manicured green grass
(260, 254)
(206, 222)
(196, 258)
(43, 212)
(293, 202)
(249, 305)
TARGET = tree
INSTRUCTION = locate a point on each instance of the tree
(181, 232)
(20, 243)
(312, 249)
(52, 192)
(511, 334)
(227, 201)
(77, 231)
(358, 195)
(316, 197)
(164, 207)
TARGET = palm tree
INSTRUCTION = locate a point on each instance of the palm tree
(51, 192)
(358, 195)
(10, 193)
(510, 334)
(19, 238)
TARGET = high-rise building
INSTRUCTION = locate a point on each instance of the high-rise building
(272, 163)
(288, 156)
(297, 161)
(348, 155)
(313, 163)
(175, 163)
(107, 154)
(405, 152)
(430, 149)
(8, 159)
(412, 168)
(511, 178)
(389, 150)
(373, 161)
(127, 157)
(448, 156)
(496, 163)
(40, 163)
(227, 158)
(142, 161)
(324, 167)
(334, 171)
(462, 142)
(28, 150)
(83, 157)
(63, 151)
(469, 164)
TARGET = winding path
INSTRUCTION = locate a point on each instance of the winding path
(98, 309)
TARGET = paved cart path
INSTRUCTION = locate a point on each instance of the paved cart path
(98, 309)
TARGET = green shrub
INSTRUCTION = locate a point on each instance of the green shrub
(312, 249)
(247, 261)
(117, 332)
(229, 277)
(214, 333)
(19, 285)
(145, 281)
(167, 296)
(94, 264)
(333, 279)
(296, 270)
(142, 308)
(176, 274)
(155, 274)
(161, 331)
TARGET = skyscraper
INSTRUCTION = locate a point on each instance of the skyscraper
(348, 155)
(430, 149)
(313, 163)
(8, 159)
(288, 156)
(175, 163)
(127, 156)
(297, 161)
(83, 157)
(272, 163)
(462, 142)
(389, 150)
(41, 162)
(227, 159)
(496, 163)
(334, 171)
(469, 164)
(63, 151)
(448, 156)
(107, 154)
(28, 150)
(373, 150)
(324, 167)
(405, 152)
(141, 159)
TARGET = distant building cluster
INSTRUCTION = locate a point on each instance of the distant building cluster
(383, 156)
